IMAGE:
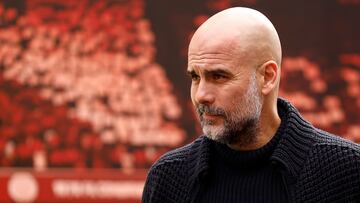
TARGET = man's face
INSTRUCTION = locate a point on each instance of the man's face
(225, 94)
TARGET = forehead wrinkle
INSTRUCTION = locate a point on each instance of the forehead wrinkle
(210, 55)
(209, 60)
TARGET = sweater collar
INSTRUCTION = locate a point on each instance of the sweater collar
(251, 158)
(291, 151)
(297, 140)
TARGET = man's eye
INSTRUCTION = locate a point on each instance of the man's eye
(218, 76)
(194, 77)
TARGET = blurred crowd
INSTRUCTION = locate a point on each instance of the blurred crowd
(81, 81)
(329, 97)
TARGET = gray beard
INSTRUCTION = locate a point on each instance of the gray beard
(241, 132)
(241, 136)
(241, 125)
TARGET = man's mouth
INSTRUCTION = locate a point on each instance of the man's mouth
(209, 116)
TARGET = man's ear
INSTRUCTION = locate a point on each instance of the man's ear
(269, 72)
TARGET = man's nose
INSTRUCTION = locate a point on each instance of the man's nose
(204, 94)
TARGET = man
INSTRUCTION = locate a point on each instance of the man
(256, 147)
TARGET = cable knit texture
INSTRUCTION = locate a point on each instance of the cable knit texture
(315, 165)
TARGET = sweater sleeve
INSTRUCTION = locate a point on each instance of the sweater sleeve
(168, 179)
(150, 186)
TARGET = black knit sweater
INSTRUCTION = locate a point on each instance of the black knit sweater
(244, 176)
(314, 165)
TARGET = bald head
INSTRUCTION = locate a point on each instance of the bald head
(244, 31)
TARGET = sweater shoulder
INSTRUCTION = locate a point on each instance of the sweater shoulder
(179, 155)
(326, 140)
(176, 163)
(332, 153)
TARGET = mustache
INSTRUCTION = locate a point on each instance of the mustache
(201, 109)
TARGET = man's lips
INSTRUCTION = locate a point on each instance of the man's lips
(208, 116)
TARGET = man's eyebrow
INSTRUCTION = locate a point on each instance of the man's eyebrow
(218, 71)
(210, 72)
(190, 72)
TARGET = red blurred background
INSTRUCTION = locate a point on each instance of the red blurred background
(92, 92)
